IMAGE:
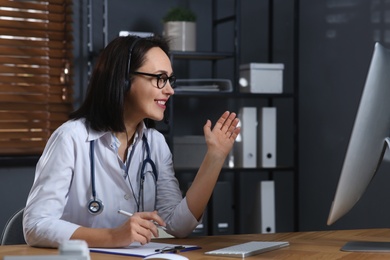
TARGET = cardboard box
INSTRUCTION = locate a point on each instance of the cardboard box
(261, 78)
(189, 151)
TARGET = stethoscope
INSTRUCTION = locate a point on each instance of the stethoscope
(95, 205)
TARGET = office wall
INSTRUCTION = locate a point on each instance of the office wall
(15, 183)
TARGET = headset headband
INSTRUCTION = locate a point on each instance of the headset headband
(127, 81)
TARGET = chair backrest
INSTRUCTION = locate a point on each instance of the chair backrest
(13, 230)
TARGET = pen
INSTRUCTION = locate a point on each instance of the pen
(131, 214)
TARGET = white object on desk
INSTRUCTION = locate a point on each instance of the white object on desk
(248, 249)
(74, 248)
(45, 257)
(167, 256)
(68, 250)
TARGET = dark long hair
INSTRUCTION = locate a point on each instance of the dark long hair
(103, 107)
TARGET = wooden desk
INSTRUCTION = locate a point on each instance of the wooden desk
(303, 245)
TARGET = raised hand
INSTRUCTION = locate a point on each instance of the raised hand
(221, 137)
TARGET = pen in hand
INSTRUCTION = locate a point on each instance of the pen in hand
(130, 215)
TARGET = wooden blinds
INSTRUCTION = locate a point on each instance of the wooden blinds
(35, 72)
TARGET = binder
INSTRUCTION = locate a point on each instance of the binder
(266, 207)
(245, 146)
(267, 138)
(222, 209)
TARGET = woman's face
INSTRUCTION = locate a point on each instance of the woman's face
(145, 99)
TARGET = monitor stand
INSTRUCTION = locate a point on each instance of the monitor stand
(366, 246)
(369, 246)
(387, 144)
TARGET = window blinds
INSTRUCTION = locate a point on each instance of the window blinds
(35, 72)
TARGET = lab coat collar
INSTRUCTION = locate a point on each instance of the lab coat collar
(94, 135)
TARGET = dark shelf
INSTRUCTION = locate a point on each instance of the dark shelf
(195, 55)
(19, 161)
(277, 168)
(205, 94)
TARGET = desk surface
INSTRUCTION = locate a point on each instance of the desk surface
(303, 245)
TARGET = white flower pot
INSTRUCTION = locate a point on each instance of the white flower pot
(181, 35)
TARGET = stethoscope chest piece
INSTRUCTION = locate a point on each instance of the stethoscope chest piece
(95, 206)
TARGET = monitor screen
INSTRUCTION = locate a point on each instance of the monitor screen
(369, 138)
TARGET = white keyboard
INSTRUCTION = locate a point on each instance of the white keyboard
(247, 249)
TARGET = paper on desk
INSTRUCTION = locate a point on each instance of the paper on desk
(136, 249)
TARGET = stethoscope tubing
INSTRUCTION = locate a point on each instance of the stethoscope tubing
(95, 206)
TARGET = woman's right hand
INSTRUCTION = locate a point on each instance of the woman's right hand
(138, 228)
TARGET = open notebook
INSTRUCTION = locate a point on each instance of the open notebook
(136, 249)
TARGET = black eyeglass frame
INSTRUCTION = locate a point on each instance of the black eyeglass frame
(172, 78)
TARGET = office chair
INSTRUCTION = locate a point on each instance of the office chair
(13, 230)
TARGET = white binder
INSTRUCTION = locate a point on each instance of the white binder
(246, 144)
(267, 138)
(266, 209)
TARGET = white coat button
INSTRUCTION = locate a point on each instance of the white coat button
(127, 196)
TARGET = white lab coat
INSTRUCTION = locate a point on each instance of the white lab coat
(57, 203)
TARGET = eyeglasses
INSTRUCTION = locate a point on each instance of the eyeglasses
(161, 78)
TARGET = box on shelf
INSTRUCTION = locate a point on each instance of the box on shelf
(261, 78)
(189, 151)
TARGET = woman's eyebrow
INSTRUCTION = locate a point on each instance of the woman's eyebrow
(164, 71)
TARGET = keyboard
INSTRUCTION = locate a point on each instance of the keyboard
(247, 249)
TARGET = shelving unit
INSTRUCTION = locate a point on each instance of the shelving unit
(234, 98)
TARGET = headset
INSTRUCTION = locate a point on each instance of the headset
(95, 206)
(127, 79)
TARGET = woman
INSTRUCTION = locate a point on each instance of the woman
(92, 165)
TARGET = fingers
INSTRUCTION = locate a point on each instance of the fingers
(221, 121)
(143, 226)
(138, 230)
(227, 123)
(153, 217)
(207, 128)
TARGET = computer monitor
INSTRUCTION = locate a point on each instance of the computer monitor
(369, 139)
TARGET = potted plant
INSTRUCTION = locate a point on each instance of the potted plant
(180, 29)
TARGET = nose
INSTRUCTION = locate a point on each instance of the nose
(168, 89)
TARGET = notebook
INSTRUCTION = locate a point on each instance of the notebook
(136, 249)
